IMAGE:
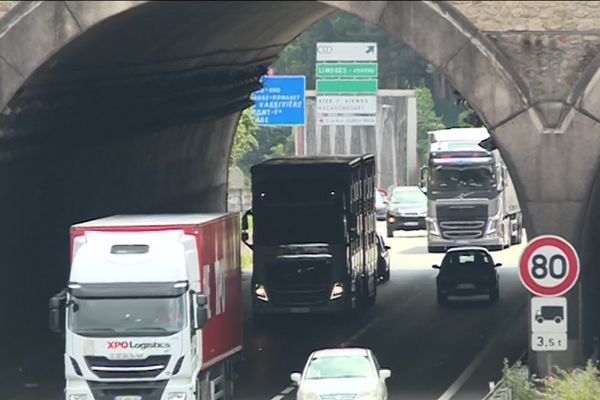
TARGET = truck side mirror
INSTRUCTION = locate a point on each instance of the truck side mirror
(423, 180)
(245, 234)
(56, 307)
(201, 311)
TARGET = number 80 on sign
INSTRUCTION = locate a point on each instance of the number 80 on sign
(549, 266)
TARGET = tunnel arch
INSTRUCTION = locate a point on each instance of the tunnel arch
(121, 108)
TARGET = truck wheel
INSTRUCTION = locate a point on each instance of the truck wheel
(371, 300)
(495, 295)
(386, 276)
(442, 298)
(519, 235)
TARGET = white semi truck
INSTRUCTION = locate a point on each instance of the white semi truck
(153, 308)
(471, 200)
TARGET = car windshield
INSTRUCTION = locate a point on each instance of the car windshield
(467, 259)
(127, 316)
(333, 367)
(409, 197)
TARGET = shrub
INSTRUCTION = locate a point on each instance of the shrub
(516, 379)
(578, 384)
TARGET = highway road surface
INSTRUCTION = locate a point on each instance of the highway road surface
(434, 353)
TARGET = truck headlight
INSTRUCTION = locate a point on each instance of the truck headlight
(492, 225)
(78, 397)
(176, 396)
(261, 293)
(432, 227)
(337, 291)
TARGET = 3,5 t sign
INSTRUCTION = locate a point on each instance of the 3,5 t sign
(549, 266)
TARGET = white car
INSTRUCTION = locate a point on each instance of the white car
(342, 374)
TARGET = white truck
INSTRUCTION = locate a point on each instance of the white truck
(153, 308)
(471, 200)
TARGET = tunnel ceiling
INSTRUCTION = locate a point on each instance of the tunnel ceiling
(153, 65)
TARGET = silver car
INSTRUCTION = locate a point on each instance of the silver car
(342, 374)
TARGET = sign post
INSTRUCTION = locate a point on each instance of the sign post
(549, 268)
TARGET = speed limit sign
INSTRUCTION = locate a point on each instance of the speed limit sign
(549, 266)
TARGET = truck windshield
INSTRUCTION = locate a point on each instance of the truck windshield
(127, 316)
(450, 177)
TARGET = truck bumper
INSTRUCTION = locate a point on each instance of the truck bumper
(148, 390)
(435, 242)
(332, 306)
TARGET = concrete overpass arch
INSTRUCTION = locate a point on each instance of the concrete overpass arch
(117, 107)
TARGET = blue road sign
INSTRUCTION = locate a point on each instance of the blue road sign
(281, 101)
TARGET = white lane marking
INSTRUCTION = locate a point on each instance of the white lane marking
(359, 333)
(288, 390)
(278, 397)
(462, 379)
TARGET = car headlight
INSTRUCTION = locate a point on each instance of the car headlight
(370, 395)
(307, 395)
(78, 397)
(176, 396)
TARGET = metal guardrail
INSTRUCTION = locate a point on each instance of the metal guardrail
(239, 200)
(498, 392)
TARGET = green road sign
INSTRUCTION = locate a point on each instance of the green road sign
(347, 70)
(346, 86)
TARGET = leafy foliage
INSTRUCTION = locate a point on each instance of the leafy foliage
(516, 379)
(578, 384)
(245, 137)
(427, 120)
(272, 142)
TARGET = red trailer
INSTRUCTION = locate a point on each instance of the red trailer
(153, 307)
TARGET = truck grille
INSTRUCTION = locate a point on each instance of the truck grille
(151, 390)
(149, 367)
(465, 221)
(301, 283)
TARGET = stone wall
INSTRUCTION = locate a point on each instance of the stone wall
(502, 16)
(5, 6)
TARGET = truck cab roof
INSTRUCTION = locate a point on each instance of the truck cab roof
(149, 220)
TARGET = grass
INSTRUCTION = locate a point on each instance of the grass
(575, 384)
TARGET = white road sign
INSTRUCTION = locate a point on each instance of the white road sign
(346, 51)
(548, 341)
(347, 104)
(548, 315)
(346, 120)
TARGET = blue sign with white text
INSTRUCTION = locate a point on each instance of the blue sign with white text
(280, 101)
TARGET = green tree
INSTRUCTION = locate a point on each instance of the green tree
(271, 142)
(245, 137)
(427, 120)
